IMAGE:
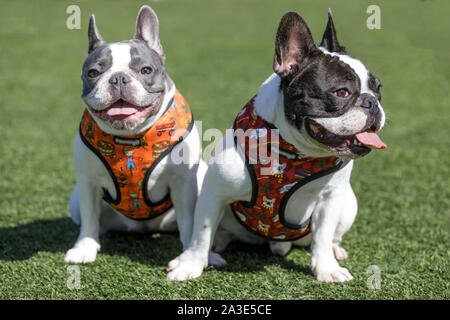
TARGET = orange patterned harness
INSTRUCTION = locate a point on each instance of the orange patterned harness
(131, 159)
(264, 214)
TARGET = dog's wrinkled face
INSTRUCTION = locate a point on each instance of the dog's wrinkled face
(329, 97)
(124, 82)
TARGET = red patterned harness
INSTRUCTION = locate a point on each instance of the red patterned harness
(275, 181)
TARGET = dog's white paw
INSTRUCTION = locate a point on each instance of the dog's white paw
(186, 266)
(336, 275)
(84, 251)
(330, 271)
(339, 253)
(215, 259)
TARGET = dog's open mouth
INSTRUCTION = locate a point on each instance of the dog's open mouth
(122, 109)
(359, 143)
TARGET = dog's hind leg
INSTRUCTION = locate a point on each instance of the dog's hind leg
(280, 248)
(221, 240)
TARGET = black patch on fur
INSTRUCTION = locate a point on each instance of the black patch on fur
(143, 56)
(375, 84)
(101, 60)
(309, 77)
(310, 92)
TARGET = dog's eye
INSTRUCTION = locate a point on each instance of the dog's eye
(342, 92)
(93, 73)
(146, 70)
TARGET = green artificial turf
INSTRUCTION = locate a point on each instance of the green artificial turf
(218, 53)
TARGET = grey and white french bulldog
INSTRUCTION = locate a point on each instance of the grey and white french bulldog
(126, 90)
(325, 103)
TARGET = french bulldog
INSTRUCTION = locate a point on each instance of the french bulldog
(137, 153)
(326, 107)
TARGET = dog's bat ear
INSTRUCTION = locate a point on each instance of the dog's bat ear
(293, 43)
(147, 29)
(95, 39)
(329, 39)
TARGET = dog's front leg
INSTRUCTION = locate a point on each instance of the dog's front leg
(184, 194)
(87, 244)
(324, 223)
(226, 180)
(190, 264)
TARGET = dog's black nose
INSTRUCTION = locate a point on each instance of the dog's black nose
(368, 101)
(119, 79)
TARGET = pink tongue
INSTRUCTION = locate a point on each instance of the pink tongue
(370, 139)
(121, 108)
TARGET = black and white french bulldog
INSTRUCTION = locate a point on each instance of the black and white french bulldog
(126, 91)
(326, 104)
